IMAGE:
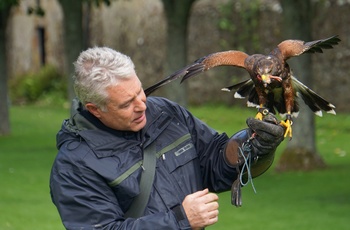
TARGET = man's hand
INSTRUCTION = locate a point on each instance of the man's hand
(201, 208)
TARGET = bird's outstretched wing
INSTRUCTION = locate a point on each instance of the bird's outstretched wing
(165, 81)
(315, 102)
(292, 48)
(228, 58)
(232, 57)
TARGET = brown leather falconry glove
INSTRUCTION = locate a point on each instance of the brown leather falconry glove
(252, 150)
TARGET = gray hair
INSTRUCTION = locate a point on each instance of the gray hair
(96, 69)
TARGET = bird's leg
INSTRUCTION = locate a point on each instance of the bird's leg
(288, 124)
(262, 112)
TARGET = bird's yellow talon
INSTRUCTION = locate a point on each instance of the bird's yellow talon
(259, 116)
(262, 112)
(288, 124)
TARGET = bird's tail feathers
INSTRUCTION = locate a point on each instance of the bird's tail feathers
(252, 104)
(284, 115)
(245, 89)
(315, 102)
(242, 89)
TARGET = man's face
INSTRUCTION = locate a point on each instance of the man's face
(126, 107)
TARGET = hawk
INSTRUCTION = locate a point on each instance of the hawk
(272, 87)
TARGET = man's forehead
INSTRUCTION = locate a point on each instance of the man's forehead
(124, 90)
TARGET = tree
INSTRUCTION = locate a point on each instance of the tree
(75, 37)
(5, 7)
(177, 13)
(301, 153)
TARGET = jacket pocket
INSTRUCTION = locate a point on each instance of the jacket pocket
(179, 153)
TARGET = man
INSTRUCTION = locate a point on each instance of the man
(95, 179)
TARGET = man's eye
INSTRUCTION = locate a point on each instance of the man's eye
(124, 106)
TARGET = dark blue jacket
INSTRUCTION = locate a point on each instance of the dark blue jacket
(96, 173)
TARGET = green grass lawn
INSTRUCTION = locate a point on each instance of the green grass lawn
(314, 200)
(25, 161)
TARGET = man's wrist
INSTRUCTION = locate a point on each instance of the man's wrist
(181, 217)
(179, 212)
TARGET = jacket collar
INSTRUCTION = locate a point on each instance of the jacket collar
(106, 142)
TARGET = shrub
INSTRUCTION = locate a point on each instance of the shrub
(34, 87)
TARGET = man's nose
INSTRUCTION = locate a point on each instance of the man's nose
(140, 103)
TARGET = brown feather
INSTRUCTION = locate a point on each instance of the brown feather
(292, 48)
(228, 58)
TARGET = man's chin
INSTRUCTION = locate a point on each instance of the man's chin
(137, 126)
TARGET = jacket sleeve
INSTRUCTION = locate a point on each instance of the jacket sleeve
(85, 201)
(217, 174)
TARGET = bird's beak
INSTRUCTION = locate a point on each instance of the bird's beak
(266, 78)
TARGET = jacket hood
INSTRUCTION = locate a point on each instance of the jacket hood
(83, 125)
(101, 139)
(74, 125)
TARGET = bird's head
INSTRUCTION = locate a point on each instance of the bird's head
(268, 70)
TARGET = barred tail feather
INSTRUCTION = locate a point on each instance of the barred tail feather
(242, 89)
(315, 102)
(245, 89)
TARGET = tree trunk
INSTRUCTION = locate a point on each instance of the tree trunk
(73, 37)
(4, 101)
(177, 13)
(301, 153)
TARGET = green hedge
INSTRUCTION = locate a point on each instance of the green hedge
(47, 85)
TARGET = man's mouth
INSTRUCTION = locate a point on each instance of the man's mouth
(140, 118)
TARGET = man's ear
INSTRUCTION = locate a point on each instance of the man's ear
(93, 109)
